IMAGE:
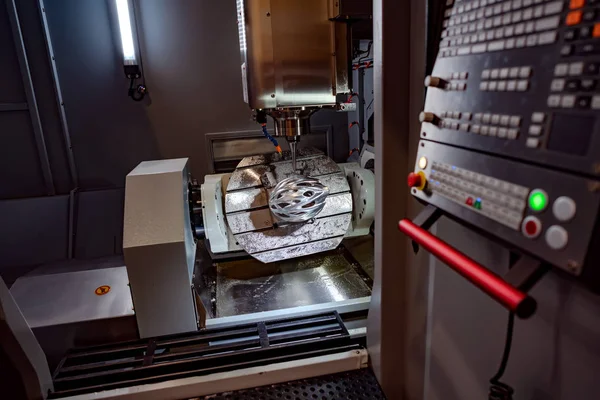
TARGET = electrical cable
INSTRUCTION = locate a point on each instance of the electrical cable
(500, 390)
(271, 138)
(368, 51)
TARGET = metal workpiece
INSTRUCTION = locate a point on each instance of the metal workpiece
(268, 238)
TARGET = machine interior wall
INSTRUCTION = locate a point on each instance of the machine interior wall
(191, 61)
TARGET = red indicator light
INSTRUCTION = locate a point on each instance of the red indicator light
(469, 201)
(531, 228)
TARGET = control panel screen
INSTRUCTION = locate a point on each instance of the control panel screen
(571, 134)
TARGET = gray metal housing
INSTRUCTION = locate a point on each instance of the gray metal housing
(159, 247)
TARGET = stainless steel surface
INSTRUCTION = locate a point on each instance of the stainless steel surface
(34, 113)
(288, 53)
(62, 298)
(256, 230)
(249, 286)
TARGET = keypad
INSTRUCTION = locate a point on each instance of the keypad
(482, 124)
(507, 79)
(572, 83)
(505, 25)
(499, 200)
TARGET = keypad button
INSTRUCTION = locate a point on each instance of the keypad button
(591, 68)
(583, 102)
(561, 69)
(493, 86)
(477, 117)
(538, 117)
(588, 85)
(502, 132)
(486, 118)
(532, 142)
(475, 129)
(495, 119)
(570, 34)
(485, 130)
(504, 73)
(502, 86)
(585, 32)
(515, 121)
(554, 101)
(522, 85)
(513, 134)
(587, 49)
(567, 101)
(531, 227)
(557, 85)
(464, 127)
(525, 72)
(572, 85)
(511, 85)
(514, 72)
(504, 120)
(495, 73)
(535, 130)
(493, 131)
(485, 74)
(576, 68)
(589, 15)
(566, 50)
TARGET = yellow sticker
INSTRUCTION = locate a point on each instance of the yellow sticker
(102, 290)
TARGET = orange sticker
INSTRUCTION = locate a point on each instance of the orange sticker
(102, 290)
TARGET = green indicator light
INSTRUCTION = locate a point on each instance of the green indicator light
(538, 200)
(477, 205)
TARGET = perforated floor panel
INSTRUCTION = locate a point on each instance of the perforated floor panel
(352, 385)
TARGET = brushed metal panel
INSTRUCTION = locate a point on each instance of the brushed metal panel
(47, 300)
(290, 53)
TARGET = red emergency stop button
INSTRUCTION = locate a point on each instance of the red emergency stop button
(417, 180)
(531, 227)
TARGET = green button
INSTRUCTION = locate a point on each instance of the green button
(538, 200)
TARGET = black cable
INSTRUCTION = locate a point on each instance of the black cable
(368, 51)
(500, 390)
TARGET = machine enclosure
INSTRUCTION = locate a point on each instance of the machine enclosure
(159, 247)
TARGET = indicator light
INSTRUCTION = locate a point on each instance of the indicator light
(477, 204)
(538, 200)
(422, 162)
(469, 201)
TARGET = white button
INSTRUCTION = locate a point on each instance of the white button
(532, 142)
(557, 85)
(485, 130)
(483, 86)
(547, 37)
(495, 73)
(513, 133)
(514, 72)
(537, 117)
(493, 131)
(511, 85)
(493, 86)
(522, 85)
(510, 43)
(531, 227)
(564, 208)
(504, 120)
(515, 121)
(502, 86)
(486, 118)
(535, 130)
(576, 68)
(547, 23)
(568, 101)
(520, 43)
(557, 237)
(553, 8)
(495, 119)
(504, 73)
(475, 129)
(554, 101)
(561, 69)
(502, 133)
(532, 40)
(485, 74)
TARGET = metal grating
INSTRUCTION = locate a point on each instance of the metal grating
(351, 385)
(200, 353)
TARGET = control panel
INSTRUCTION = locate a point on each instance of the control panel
(510, 135)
